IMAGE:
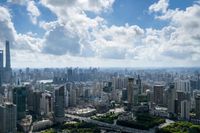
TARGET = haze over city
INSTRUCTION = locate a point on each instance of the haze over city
(101, 33)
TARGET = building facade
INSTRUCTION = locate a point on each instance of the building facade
(19, 98)
(59, 104)
(8, 115)
(158, 94)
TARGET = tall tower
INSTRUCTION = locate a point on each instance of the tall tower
(59, 104)
(130, 90)
(158, 91)
(171, 98)
(8, 66)
(1, 67)
(198, 82)
(7, 71)
(139, 83)
(185, 109)
(19, 99)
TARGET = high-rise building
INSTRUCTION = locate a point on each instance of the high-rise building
(124, 94)
(19, 98)
(46, 104)
(1, 67)
(70, 74)
(198, 80)
(30, 95)
(185, 109)
(158, 94)
(130, 90)
(171, 92)
(8, 114)
(197, 106)
(181, 96)
(150, 96)
(67, 94)
(8, 70)
(183, 86)
(194, 84)
(36, 103)
(59, 103)
(1, 99)
(72, 96)
(8, 66)
(139, 84)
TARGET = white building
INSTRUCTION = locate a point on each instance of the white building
(185, 109)
(46, 104)
(183, 86)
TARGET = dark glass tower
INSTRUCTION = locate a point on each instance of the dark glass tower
(19, 98)
(1, 67)
(139, 83)
(59, 104)
(8, 71)
(8, 66)
(8, 118)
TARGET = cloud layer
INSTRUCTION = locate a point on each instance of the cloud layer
(76, 36)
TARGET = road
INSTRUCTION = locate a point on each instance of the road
(167, 122)
(111, 126)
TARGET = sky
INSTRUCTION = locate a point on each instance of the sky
(101, 33)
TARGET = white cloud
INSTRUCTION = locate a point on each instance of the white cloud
(96, 6)
(76, 26)
(115, 42)
(160, 6)
(18, 41)
(76, 37)
(48, 25)
(179, 41)
(60, 42)
(31, 8)
(33, 11)
(6, 26)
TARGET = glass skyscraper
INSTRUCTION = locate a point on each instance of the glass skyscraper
(19, 98)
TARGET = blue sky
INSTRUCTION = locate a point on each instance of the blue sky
(133, 12)
(103, 33)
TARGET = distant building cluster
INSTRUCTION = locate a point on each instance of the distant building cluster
(34, 99)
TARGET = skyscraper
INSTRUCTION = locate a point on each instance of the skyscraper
(158, 94)
(8, 70)
(36, 103)
(19, 98)
(8, 66)
(124, 94)
(8, 118)
(1, 67)
(185, 109)
(171, 92)
(59, 104)
(46, 104)
(72, 95)
(130, 90)
(197, 106)
(139, 84)
(133, 92)
(198, 82)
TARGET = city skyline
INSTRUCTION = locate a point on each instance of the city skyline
(102, 33)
